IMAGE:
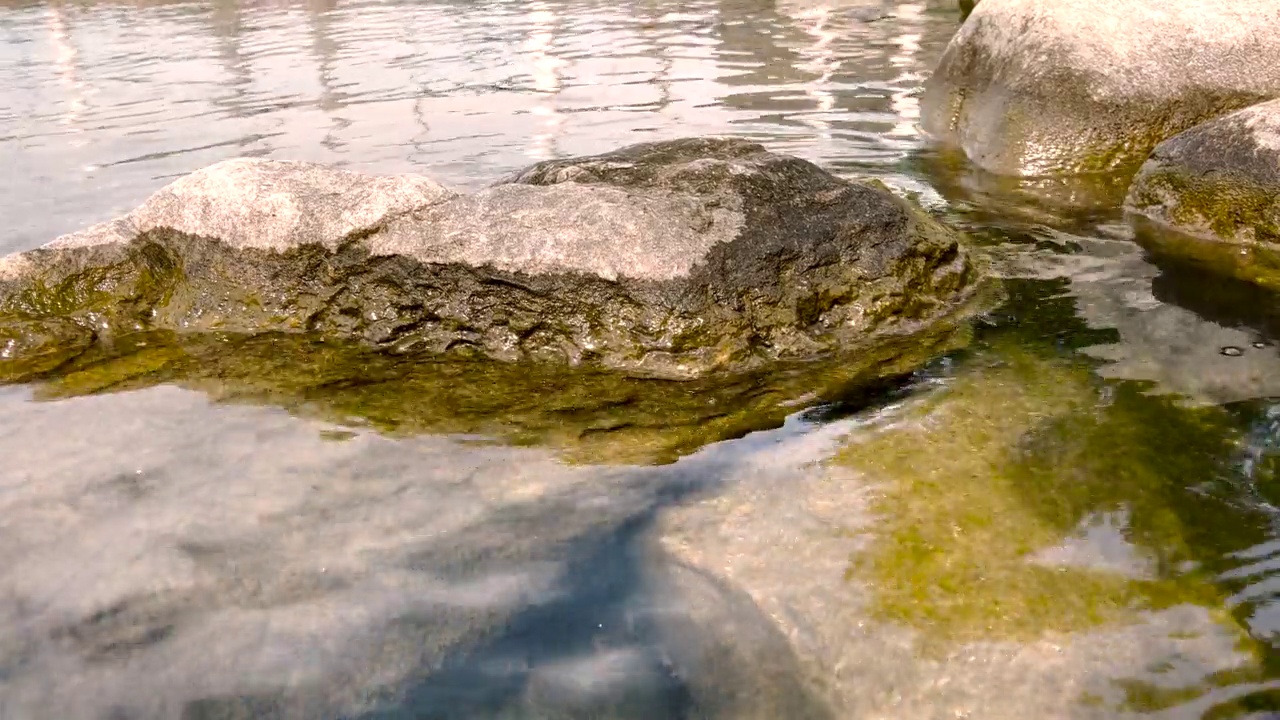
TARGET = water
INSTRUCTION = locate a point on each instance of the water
(1067, 510)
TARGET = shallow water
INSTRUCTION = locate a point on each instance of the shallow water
(1065, 509)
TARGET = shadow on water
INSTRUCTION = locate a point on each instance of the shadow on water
(1233, 285)
(623, 631)
(615, 644)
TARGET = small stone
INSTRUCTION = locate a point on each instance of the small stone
(1232, 351)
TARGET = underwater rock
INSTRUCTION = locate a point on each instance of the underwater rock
(586, 415)
(666, 259)
(1218, 180)
(1039, 87)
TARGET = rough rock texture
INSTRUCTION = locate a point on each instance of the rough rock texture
(668, 259)
(1042, 87)
(1220, 179)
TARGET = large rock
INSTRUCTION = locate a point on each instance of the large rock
(667, 259)
(1043, 87)
(1220, 179)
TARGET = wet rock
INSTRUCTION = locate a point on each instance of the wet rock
(587, 415)
(735, 660)
(1220, 179)
(669, 259)
(38, 346)
(1036, 87)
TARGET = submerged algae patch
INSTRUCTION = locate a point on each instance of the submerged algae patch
(588, 414)
(1011, 460)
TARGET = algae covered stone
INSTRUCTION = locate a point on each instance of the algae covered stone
(1220, 179)
(984, 487)
(1042, 87)
(667, 259)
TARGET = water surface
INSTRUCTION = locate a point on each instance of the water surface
(1066, 508)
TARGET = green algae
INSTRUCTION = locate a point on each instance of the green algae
(952, 554)
(122, 286)
(1148, 697)
(1249, 261)
(587, 414)
(35, 347)
(1021, 450)
(1223, 204)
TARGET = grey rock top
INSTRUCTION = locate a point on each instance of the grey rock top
(273, 205)
(270, 205)
(1245, 142)
(668, 258)
(1039, 87)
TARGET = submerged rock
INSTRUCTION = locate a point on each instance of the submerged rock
(586, 415)
(666, 259)
(1039, 87)
(1220, 179)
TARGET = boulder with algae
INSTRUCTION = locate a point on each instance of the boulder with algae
(1018, 541)
(1221, 181)
(1042, 87)
(668, 259)
(587, 415)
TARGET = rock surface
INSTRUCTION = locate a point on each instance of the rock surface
(586, 415)
(667, 259)
(1040, 87)
(1220, 179)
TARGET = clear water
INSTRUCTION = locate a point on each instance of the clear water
(1068, 515)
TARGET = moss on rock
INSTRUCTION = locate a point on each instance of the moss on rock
(1007, 463)
(589, 415)
(673, 259)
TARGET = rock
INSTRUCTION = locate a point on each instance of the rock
(665, 259)
(1220, 179)
(586, 415)
(32, 347)
(1040, 87)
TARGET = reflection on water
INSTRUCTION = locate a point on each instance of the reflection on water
(1069, 511)
(590, 415)
(109, 101)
